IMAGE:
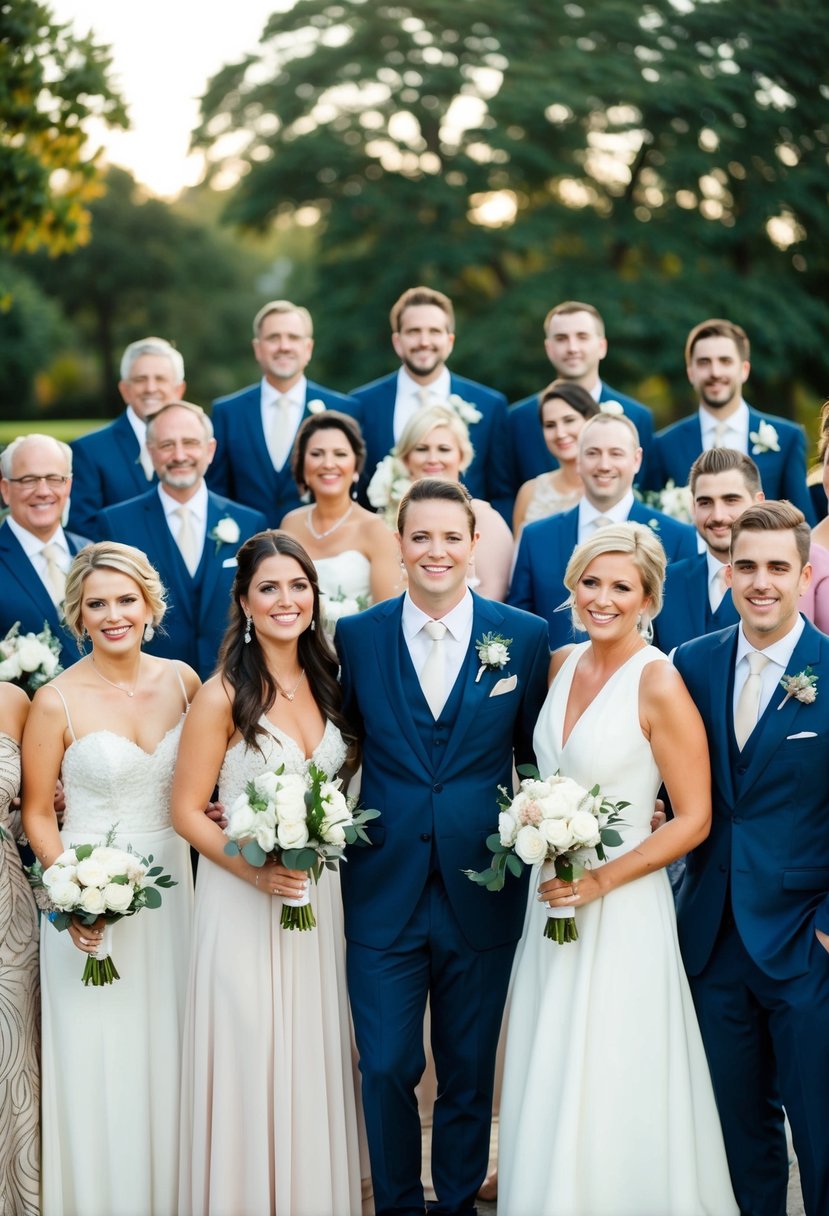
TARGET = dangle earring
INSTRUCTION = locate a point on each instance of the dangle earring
(313, 625)
(247, 629)
(149, 632)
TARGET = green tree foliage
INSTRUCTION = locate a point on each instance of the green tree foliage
(51, 82)
(665, 160)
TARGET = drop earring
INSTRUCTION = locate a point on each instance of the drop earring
(248, 620)
(149, 632)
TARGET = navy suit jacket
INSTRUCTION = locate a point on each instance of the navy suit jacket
(242, 469)
(197, 610)
(769, 839)
(530, 456)
(782, 473)
(453, 799)
(105, 470)
(24, 598)
(488, 476)
(546, 547)
(686, 610)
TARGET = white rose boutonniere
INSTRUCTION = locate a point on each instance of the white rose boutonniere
(493, 653)
(803, 687)
(317, 406)
(226, 532)
(465, 410)
(653, 524)
(614, 408)
(764, 439)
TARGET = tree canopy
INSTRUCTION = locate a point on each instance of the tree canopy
(665, 161)
(51, 83)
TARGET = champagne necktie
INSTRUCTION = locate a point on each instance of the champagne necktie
(55, 575)
(433, 675)
(748, 704)
(280, 435)
(187, 540)
(717, 589)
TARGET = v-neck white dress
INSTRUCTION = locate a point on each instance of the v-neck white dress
(607, 1107)
(269, 1114)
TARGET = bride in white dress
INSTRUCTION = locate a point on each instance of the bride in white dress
(354, 553)
(607, 1107)
(111, 1056)
(269, 1112)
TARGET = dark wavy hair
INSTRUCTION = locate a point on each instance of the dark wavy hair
(243, 664)
(327, 420)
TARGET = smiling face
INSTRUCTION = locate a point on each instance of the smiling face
(283, 348)
(719, 499)
(436, 548)
(423, 341)
(280, 599)
(180, 450)
(113, 611)
(717, 373)
(575, 347)
(562, 426)
(608, 461)
(37, 505)
(330, 466)
(437, 454)
(609, 597)
(151, 384)
(766, 581)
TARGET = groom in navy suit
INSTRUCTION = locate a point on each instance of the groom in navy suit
(753, 908)
(256, 427)
(440, 726)
(189, 534)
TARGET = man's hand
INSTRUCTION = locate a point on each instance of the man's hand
(216, 812)
(60, 802)
(659, 816)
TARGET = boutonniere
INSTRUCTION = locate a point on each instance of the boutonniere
(613, 408)
(226, 532)
(764, 439)
(465, 409)
(653, 524)
(803, 687)
(493, 653)
(317, 406)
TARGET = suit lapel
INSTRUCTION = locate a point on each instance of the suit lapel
(128, 446)
(387, 640)
(19, 567)
(160, 536)
(214, 559)
(697, 603)
(485, 619)
(261, 467)
(720, 711)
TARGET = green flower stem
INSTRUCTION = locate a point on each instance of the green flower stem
(561, 929)
(99, 971)
(298, 918)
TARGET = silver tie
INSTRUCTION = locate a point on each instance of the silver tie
(280, 436)
(717, 589)
(719, 434)
(55, 575)
(748, 704)
(601, 521)
(433, 675)
(187, 540)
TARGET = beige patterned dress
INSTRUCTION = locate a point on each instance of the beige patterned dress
(19, 1013)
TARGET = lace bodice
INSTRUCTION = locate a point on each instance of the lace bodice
(241, 763)
(9, 776)
(109, 779)
(546, 500)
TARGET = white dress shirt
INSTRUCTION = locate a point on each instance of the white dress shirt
(588, 514)
(458, 624)
(197, 506)
(139, 429)
(33, 547)
(736, 429)
(409, 397)
(779, 655)
(716, 590)
(280, 439)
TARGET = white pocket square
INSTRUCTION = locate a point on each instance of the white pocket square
(804, 734)
(229, 561)
(505, 685)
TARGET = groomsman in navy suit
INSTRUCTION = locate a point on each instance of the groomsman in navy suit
(440, 729)
(696, 597)
(575, 342)
(753, 908)
(35, 551)
(609, 457)
(189, 534)
(717, 362)
(112, 464)
(423, 334)
(256, 427)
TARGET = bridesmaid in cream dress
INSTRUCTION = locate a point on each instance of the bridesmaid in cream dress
(269, 1112)
(563, 409)
(19, 990)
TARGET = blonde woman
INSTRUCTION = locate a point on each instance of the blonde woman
(109, 726)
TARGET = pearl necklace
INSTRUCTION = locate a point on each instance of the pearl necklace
(322, 535)
(289, 696)
(129, 692)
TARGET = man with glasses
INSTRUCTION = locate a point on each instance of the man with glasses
(35, 551)
(113, 464)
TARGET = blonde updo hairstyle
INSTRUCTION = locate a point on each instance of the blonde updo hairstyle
(637, 542)
(107, 555)
(429, 419)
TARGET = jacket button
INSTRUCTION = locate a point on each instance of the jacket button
(437, 788)
(425, 837)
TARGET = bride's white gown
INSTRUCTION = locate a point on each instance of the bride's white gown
(269, 1114)
(111, 1055)
(607, 1107)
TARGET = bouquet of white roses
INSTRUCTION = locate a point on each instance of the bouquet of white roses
(675, 501)
(332, 607)
(30, 659)
(390, 481)
(91, 881)
(550, 821)
(305, 819)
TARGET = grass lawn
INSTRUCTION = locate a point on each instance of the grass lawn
(62, 428)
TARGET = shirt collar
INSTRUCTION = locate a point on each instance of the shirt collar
(618, 514)
(439, 389)
(714, 566)
(296, 394)
(31, 544)
(138, 425)
(779, 652)
(709, 421)
(197, 504)
(458, 620)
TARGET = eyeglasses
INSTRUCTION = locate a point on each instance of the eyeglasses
(53, 480)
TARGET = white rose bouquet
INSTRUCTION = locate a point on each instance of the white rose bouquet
(30, 659)
(305, 819)
(332, 607)
(550, 822)
(91, 881)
